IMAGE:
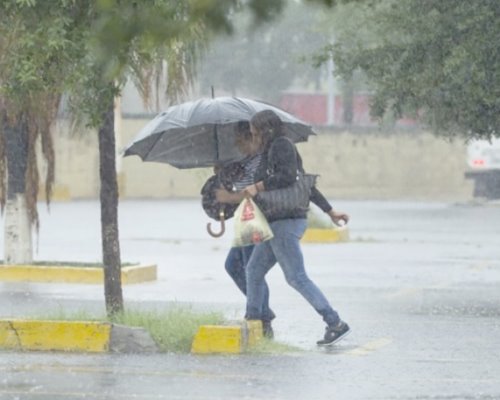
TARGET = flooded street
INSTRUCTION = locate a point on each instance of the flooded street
(418, 284)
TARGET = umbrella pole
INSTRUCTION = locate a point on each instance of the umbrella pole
(222, 226)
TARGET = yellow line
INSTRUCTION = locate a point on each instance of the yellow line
(369, 347)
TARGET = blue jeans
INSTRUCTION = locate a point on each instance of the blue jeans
(235, 264)
(284, 248)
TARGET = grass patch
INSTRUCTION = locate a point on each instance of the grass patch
(62, 315)
(173, 329)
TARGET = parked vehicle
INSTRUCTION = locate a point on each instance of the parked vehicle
(483, 161)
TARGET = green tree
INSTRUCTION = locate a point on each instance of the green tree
(266, 59)
(438, 60)
(35, 48)
(121, 42)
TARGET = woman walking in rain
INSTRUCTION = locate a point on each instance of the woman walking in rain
(278, 169)
(237, 258)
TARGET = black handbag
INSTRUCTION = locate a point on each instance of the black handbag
(291, 199)
(294, 198)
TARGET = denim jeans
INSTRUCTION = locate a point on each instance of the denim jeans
(235, 264)
(284, 248)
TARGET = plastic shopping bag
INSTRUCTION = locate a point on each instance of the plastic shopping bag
(250, 225)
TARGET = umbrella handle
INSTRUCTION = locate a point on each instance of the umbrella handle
(222, 227)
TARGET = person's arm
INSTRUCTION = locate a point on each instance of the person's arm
(223, 196)
(336, 216)
(320, 200)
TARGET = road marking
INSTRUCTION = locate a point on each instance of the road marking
(410, 291)
(370, 347)
(403, 292)
(480, 266)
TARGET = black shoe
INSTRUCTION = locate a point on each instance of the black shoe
(267, 330)
(334, 333)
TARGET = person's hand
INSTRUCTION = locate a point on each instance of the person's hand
(251, 190)
(222, 195)
(338, 218)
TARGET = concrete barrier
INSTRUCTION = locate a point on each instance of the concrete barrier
(329, 235)
(229, 339)
(73, 336)
(74, 274)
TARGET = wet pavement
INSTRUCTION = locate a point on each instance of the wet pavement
(418, 283)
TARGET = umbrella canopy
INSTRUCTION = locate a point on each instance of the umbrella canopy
(201, 133)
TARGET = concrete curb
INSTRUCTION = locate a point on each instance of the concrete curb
(73, 336)
(102, 337)
(328, 235)
(227, 339)
(72, 274)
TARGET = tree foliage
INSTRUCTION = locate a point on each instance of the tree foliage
(262, 61)
(36, 46)
(435, 59)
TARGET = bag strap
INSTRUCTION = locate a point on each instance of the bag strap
(299, 159)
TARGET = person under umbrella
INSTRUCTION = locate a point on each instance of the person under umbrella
(278, 169)
(238, 257)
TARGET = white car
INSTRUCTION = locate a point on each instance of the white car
(483, 161)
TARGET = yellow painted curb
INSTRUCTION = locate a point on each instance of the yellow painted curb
(55, 335)
(253, 332)
(217, 339)
(138, 274)
(313, 235)
(226, 339)
(70, 274)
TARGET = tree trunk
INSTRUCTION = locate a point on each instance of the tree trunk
(18, 247)
(109, 215)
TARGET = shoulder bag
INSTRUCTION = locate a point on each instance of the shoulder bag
(287, 200)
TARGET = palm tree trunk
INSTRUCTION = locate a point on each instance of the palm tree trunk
(109, 215)
(18, 247)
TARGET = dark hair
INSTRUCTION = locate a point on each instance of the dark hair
(243, 130)
(268, 124)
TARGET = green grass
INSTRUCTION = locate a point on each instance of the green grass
(173, 329)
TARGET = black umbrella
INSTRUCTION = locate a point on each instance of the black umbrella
(201, 133)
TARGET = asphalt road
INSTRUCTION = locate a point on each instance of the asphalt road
(418, 283)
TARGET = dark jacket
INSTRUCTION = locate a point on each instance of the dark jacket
(278, 169)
